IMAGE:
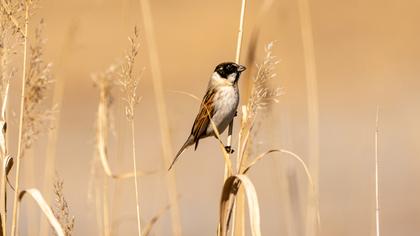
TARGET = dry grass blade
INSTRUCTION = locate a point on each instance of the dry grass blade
(7, 166)
(166, 143)
(22, 107)
(104, 82)
(257, 159)
(148, 228)
(314, 198)
(102, 125)
(37, 196)
(230, 189)
(9, 40)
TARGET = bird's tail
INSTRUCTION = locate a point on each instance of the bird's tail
(188, 143)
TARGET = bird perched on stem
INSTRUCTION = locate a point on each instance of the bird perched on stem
(219, 104)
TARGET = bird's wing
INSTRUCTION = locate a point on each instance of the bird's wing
(202, 120)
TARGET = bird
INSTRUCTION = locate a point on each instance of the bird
(219, 103)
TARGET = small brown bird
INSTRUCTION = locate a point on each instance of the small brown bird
(219, 103)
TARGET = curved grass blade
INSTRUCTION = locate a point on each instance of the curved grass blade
(37, 196)
(228, 194)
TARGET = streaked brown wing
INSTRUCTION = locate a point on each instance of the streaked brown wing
(202, 120)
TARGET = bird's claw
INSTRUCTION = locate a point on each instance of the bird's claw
(236, 113)
(229, 149)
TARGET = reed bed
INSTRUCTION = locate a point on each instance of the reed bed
(22, 39)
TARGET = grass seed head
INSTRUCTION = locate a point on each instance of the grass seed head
(38, 79)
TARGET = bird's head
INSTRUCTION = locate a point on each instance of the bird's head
(229, 71)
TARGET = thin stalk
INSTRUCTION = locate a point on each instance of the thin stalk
(162, 115)
(22, 105)
(133, 142)
(98, 200)
(4, 153)
(238, 217)
(105, 205)
(237, 58)
(312, 222)
(376, 174)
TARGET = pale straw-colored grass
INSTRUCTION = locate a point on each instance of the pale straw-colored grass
(45, 208)
(22, 104)
(377, 215)
(162, 114)
(312, 217)
(129, 82)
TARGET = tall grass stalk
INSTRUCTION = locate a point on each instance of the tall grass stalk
(231, 208)
(5, 76)
(237, 59)
(22, 105)
(312, 221)
(129, 82)
(377, 222)
(162, 114)
(133, 143)
(239, 217)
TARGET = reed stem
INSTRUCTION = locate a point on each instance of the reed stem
(162, 115)
(22, 105)
(133, 142)
(377, 175)
(312, 219)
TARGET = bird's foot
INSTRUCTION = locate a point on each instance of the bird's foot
(236, 113)
(229, 149)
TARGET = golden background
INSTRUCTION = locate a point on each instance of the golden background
(367, 53)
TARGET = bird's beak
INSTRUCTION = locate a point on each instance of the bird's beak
(241, 68)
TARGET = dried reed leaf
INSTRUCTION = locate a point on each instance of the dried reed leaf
(148, 228)
(314, 198)
(257, 159)
(45, 208)
(3, 126)
(7, 166)
(101, 149)
(230, 189)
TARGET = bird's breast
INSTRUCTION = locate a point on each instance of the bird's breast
(226, 103)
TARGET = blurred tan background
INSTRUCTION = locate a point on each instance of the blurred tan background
(367, 54)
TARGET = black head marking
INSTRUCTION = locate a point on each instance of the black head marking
(226, 68)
